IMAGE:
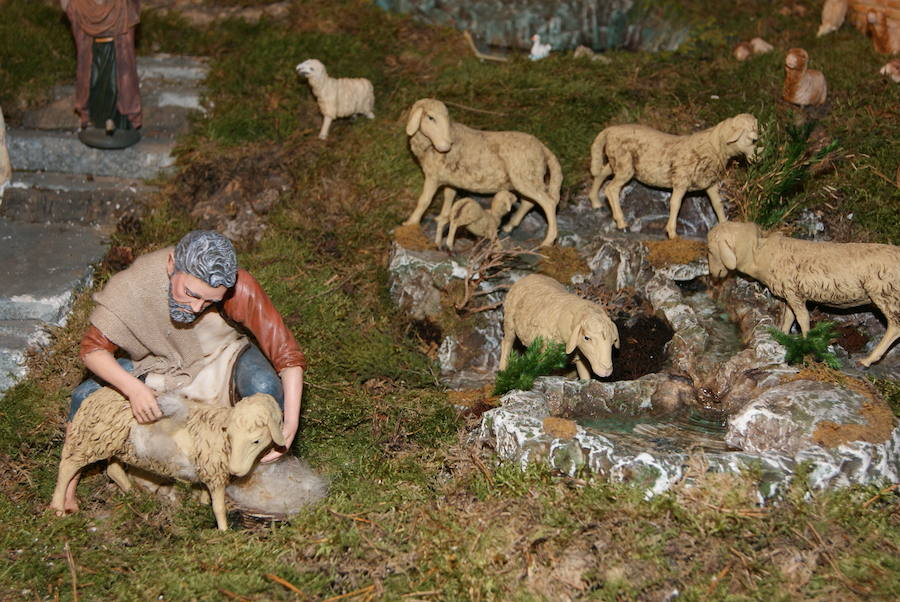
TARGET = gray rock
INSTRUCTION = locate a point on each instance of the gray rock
(598, 24)
(16, 336)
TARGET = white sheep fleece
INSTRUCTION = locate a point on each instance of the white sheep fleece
(337, 97)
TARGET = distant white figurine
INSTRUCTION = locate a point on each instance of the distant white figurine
(892, 70)
(337, 97)
(833, 14)
(538, 50)
(745, 50)
(5, 167)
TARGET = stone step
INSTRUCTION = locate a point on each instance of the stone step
(42, 266)
(164, 66)
(76, 199)
(16, 336)
(62, 151)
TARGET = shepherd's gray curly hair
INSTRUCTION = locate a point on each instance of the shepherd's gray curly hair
(207, 255)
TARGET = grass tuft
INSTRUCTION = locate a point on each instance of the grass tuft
(539, 359)
(814, 344)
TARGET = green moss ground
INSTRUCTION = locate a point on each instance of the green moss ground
(416, 512)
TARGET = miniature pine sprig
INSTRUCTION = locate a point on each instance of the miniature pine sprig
(814, 344)
(539, 359)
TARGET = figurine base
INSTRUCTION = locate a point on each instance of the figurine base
(118, 139)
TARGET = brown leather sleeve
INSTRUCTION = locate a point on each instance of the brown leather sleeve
(248, 304)
(93, 340)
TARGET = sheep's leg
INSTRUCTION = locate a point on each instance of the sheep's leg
(509, 337)
(451, 235)
(62, 502)
(612, 192)
(716, 200)
(890, 335)
(218, 505)
(524, 207)
(787, 319)
(116, 472)
(798, 306)
(428, 189)
(674, 208)
(594, 194)
(326, 125)
(583, 372)
(444, 217)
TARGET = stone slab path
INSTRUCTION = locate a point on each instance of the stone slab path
(65, 197)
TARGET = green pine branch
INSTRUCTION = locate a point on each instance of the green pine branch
(538, 360)
(815, 344)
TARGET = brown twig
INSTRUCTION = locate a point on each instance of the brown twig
(482, 469)
(837, 571)
(887, 489)
(481, 55)
(285, 583)
(356, 518)
(71, 562)
(230, 594)
(715, 581)
(358, 592)
(430, 592)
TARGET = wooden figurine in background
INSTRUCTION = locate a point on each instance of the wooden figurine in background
(802, 86)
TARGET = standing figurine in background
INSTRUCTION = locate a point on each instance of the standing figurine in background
(802, 86)
(107, 96)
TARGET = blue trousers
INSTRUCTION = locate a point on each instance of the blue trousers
(252, 374)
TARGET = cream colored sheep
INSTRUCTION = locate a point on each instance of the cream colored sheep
(337, 97)
(480, 222)
(835, 274)
(892, 70)
(455, 156)
(833, 14)
(802, 86)
(539, 306)
(195, 442)
(682, 163)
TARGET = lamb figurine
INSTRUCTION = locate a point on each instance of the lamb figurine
(802, 86)
(539, 306)
(682, 163)
(833, 14)
(194, 442)
(840, 275)
(337, 97)
(455, 156)
(467, 212)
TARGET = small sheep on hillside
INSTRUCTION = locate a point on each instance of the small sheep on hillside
(195, 442)
(682, 163)
(539, 306)
(840, 275)
(480, 222)
(337, 97)
(455, 156)
(802, 86)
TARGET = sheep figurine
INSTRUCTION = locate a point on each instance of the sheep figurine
(337, 97)
(455, 156)
(840, 275)
(539, 306)
(885, 33)
(194, 442)
(833, 14)
(480, 222)
(892, 70)
(745, 50)
(682, 163)
(802, 86)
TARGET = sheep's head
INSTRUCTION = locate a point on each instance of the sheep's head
(740, 134)
(311, 68)
(255, 423)
(502, 203)
(430, 116)
(595, 335)
(730, 246)
(796, 59)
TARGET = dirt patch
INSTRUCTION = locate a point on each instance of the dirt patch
(877, 429)
(642, 348)
(561, 263)
(674, 252)
(560, 428)
(413, 238)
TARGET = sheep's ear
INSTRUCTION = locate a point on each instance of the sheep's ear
(733, 131)
(275, 425)
(415, 118)
(573, 338)
(616, 340)
(726, 253)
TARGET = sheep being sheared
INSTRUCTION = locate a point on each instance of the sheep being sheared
(839, 275)
(455, 156)
(195, 442)
(539, 306)
(337, 97)
(480, 222)
(682, 163)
